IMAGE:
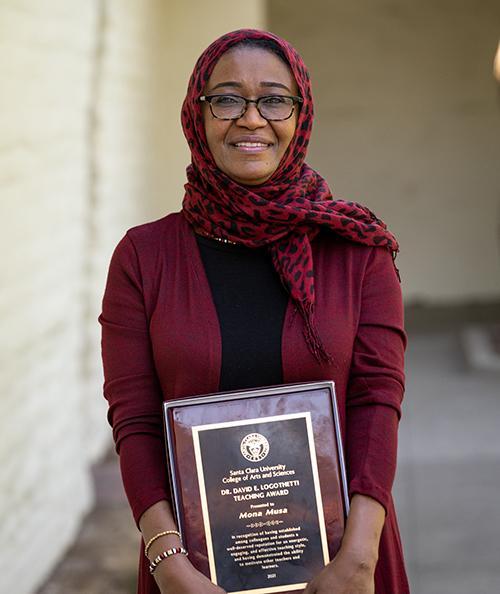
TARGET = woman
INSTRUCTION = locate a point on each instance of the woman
(261, 279)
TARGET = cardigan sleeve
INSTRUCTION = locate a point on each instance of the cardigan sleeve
(131, 385)
(376, 382)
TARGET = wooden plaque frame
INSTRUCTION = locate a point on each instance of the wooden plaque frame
(258, 484)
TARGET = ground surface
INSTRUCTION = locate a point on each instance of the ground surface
(448, 483)
(104, 558)
(447, 488)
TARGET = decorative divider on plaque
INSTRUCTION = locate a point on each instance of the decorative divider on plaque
(258, 484)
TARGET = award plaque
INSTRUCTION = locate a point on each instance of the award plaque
(258, 484)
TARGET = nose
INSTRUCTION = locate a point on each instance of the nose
(251, 119)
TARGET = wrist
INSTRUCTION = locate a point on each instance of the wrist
(363, 558)
(172, 570)
(360, 543)
(161, 544)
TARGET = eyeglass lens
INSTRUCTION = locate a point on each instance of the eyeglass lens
(270, 108)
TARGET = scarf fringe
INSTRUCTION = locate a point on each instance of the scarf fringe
(394, 254)
(311, 334)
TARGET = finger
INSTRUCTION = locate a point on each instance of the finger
(310, 589)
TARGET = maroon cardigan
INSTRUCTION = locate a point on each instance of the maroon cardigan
(161, 340)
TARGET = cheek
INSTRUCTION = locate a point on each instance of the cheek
(214, 145)
(209, 132)
(215, 132)
(287, 134)
(210, 125)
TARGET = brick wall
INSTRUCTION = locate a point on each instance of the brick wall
(126, 179)
(90, 144)
(46, 64)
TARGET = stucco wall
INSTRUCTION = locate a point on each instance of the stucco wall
(408, 122)
(90, 144)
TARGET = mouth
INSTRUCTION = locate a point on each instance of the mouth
(247, 146)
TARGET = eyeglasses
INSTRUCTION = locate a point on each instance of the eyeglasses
(232, 107)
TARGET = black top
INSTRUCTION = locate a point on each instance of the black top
(251, 303)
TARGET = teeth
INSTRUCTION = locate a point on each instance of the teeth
(251, 144)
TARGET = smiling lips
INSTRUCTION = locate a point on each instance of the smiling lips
(251, 146)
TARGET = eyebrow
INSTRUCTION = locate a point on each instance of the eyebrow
(266, 83)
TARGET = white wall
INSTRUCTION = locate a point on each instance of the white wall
(46, 64)
(90, 144)
(192, 27)
(126, 178)
(408, 122)
(139, 153)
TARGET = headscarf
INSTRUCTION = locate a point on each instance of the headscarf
(287, 211)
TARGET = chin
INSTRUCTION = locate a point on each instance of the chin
(253, 179)
(257, 182)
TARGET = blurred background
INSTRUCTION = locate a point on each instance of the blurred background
(408, 122)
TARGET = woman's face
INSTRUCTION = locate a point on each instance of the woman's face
(252, 73)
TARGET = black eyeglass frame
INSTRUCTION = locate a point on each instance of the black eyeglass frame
(208, 99)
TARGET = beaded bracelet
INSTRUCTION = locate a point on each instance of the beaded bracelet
(157, 536)
(168, 553)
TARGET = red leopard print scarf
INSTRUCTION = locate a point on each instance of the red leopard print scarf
(287, 211)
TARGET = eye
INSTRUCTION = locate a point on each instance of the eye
(274, 100)
(226, 100)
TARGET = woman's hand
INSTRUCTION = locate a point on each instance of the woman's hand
(176, 575)
(353, 568)
(346, 574)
